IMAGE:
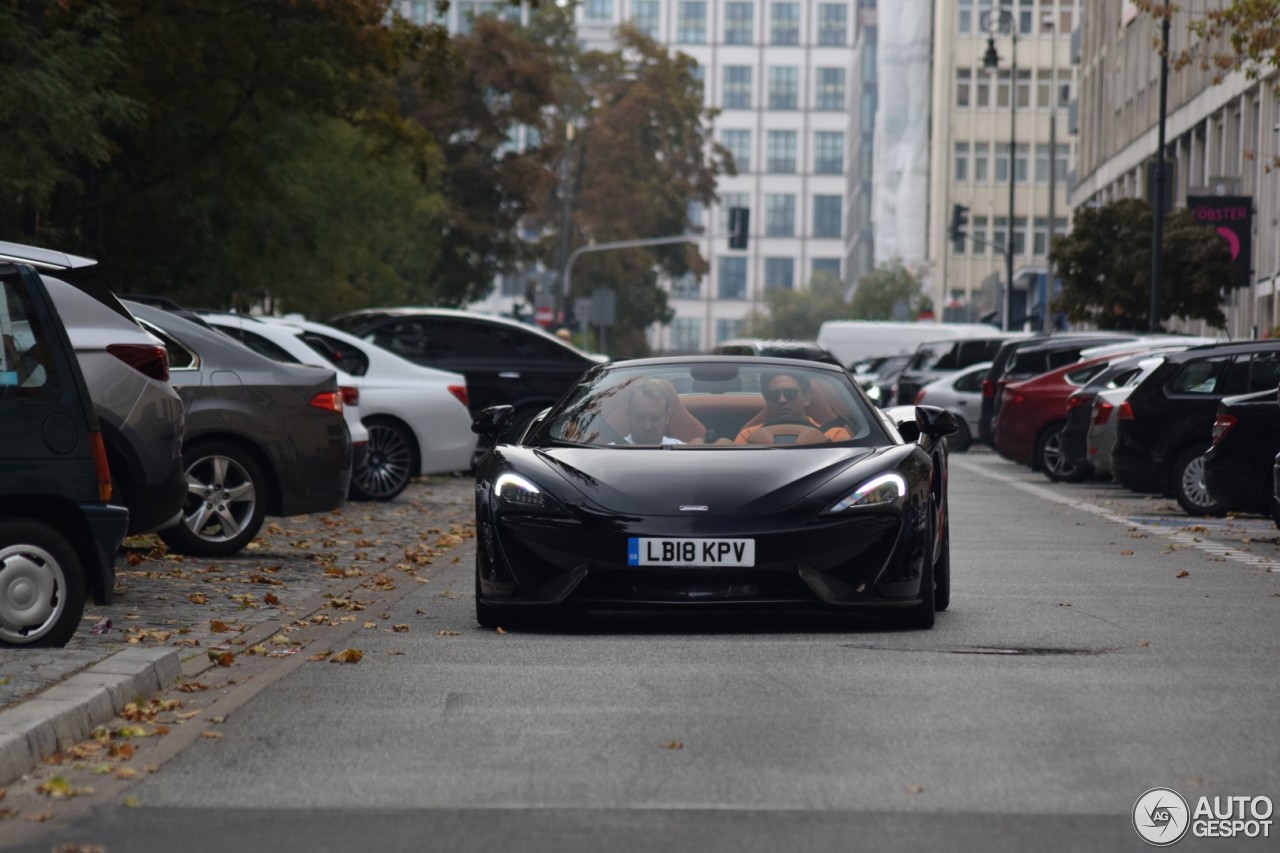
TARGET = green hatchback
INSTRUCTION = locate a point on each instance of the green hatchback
(59, 533)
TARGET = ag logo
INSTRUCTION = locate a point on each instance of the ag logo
(1161, 816)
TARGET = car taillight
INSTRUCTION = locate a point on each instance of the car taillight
(1012, 396)
(350, 395)
(920, 396)
(99, 451)
(988, 389)
(330, 401)
(1101, 412)
(460, 391)
(1125, 412)
(150, 360)
(1073, 401)
(1222, 425)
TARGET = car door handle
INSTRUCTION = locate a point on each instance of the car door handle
(508, 374)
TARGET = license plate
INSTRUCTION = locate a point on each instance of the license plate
(691, 552)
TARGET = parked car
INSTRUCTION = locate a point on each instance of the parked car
(124, 366)
(853, 519)
(1101, 437)
(935, 359)
(416, 417)
(882, 387)
(262, 438)
(1246, 439)
(1166, 424)
(59, 531)
(959, 393)
(505, 362)
(776, 348)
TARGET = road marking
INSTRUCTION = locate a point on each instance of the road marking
(1181, 537)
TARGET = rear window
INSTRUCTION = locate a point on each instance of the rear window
(26, 366)
(1084, 374)
(1200, 376)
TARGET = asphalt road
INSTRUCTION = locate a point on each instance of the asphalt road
(1097, 646)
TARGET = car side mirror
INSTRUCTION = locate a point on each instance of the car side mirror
(936, 422)
(906, 421)
(492, 421)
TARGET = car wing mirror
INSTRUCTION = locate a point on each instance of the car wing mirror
(492, 421)
(936, 422)
(905, 420)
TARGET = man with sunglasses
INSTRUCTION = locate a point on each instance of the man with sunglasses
(786, 395)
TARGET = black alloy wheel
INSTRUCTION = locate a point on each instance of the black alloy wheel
(390, 464)
(226, 501)
(42, 590)
(1189, 486)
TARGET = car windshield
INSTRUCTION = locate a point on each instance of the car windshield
(714, 403)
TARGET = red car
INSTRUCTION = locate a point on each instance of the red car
(1032, 413)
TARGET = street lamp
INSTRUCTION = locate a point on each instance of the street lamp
(1053, 165)
(999, 21)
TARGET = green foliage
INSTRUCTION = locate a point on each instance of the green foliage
(1236, 35)
(888, 287)
(1105, 266)
(797, 314)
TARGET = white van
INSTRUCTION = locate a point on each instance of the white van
(855, 340)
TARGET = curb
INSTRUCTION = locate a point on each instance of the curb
(67, 712)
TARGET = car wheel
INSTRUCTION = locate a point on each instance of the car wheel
(1188, 484)
(942, 574)
(960, 440)
(42, 590)
(486, 616)
(1050, 457)
(226, 501)
(390, 463)
(921, 616)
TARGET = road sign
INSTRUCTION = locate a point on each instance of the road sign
(543, 315)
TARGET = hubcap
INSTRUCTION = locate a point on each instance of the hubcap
(387, 470)
(31, 593)
(1055, 461)
(1193, 484)
(221, 499)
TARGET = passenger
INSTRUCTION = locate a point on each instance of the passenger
(649, 412)
(786, 395)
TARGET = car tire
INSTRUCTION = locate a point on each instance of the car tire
(219, 469)
(390, 464)
(962, 439)
(486, 615)
(1050, 458)
(1187, 479)
(942, 574)
(42, 589)
(921, 616)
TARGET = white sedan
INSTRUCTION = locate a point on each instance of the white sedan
(417, 416)
(961, 394)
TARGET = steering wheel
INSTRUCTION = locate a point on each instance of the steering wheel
(785, 420)
(793, 431)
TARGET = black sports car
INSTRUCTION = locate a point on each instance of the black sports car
(710, 480)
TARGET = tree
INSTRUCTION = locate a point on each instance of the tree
(797, 314)
(1238, 35)
(887, 288)
(1105, 267)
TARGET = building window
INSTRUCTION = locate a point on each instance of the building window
(1002, 89)
(1024, 89)
(687, 286)
(644, 15)
(869, 62)
(982, 91)
(1040, 236)
(957, 246)
(867, 107)
(779, 273)
(733, 277)
(826, 266)
(686, 334)
(1044, 89)
(964, 17)
(780, 215)
(866, 161)
(826, 215)
(691, 22)
(1002, 162)
(695, 211)
(784, 23)
(960, 171)
(964, 82)
(1020, 157)
(981, 155)
(727, 201)
(784, 87)
(1042, 164)
(978, 230)
(1065, 10)
(780, 152)
(999, 228)
(598, 10)
(828, 152)
(739, 144)
(738, 23)
(829, 94)
(1026, 17)
(737, 87)
(1060, 159)
(833, 20)
(1020, 235)
(727, 330)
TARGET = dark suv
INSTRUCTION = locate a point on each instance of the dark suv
(58, 532)
(933, 360)
(505, 362)
(1166, 424)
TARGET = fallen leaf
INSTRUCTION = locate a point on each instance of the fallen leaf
(447, 633)
(210, 735)
(1126, 552)
(221, 718)
(124, 773)
(217, 626)
(1142, 644)
(40, 817)
(1182, 573)
(271, 599)
(400, 628)
(371, 624)
(348, 656)
(319, 656)
(186, 715)
(673, 744)
(501, 630)
(198, 598)
(915, 789)
(1064, 603)
(129, 802)
(192, 687)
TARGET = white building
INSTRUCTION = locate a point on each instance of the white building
(1222, 139)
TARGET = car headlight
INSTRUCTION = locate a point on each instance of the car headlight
(520, 493)
(882, 490)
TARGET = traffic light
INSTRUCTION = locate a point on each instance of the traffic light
(739, 225)
(959, 222)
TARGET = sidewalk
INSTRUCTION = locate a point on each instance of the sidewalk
(170, 610)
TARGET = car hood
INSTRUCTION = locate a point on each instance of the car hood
(653, 481)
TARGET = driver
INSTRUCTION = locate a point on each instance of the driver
(786, 395)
